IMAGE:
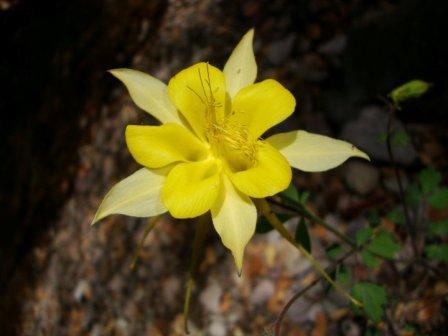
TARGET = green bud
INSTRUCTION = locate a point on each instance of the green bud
(409, 90)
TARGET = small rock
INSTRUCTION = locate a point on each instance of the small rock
(211, 297)
(361, 177)
(311, 67)
(365, 132)
(391, 184)
(264, 290)
(82, 291)
(335, 46)
(300, 310)
(217, 328)
(350, 328)
(279, 51)
(171, 288)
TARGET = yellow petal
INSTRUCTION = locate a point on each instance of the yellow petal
(241, 67)
(148, 93)
(263, 105)
(158, 146)
(191, 188)
(270, 174)
(312, 152)
(234, 217)
(198, 92)
(137, 195)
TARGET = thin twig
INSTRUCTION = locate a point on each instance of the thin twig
(295, 297)
(201, 229)
(309, 215)
(151, 223)
(408, 222)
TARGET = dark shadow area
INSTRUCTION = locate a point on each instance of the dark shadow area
(53, 63)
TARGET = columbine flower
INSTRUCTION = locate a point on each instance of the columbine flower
(208, 154)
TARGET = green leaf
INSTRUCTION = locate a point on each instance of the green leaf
(439, 199)
(437, 252)
(334, 251)
(396, 216)
(343, 275)
(439, 228)
(409, 90)
(291, 194)
(382, 138)
(429, 179)
(413, 194)
(401, 139)
(302, 236)
(373, 298)
(304, 196)
(263, 225)
(363, 235)
(384, 245)
(372, 332)
(374, 219)
(369, 259)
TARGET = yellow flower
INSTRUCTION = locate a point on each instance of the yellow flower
(208, 154)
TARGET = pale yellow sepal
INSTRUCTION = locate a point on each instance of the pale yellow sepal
(312, 152)
(137, 195)
(190, 189)
(234, 218)
(241, 67)
(148, 93)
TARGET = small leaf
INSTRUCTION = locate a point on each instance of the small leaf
(138, 195)
(374, 219)
(439, 199)
(291, 194)
(363, 235)
(401, 139)
(396, 216)
(439, 228)
(343, 275)
(437, 252)
(304, 197)
(413, 194)
(369, 259)
(384, 245)
(334, 251)
(302, 236)
(373, 298)
(409, 90)
(372, 332)
(382, 138)
(429, 179)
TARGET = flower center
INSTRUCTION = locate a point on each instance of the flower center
(229, 139)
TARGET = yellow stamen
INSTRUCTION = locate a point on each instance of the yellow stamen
(223, 131)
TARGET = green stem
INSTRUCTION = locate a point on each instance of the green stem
(302, 210)
(201, 230)
(151, 223)
(278, 225)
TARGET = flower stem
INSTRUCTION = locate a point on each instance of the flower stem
(201, 230)
(278, 225)
(304, 211)
(149, 226)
